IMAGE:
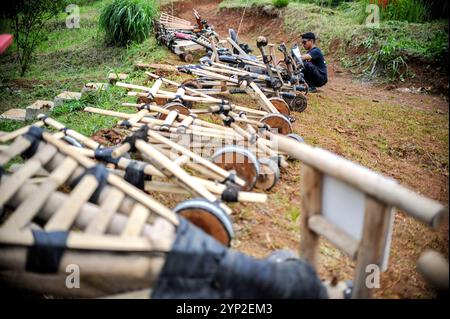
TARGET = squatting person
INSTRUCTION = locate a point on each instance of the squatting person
(315, 71)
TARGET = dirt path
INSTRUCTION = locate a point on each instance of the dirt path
(403, 135)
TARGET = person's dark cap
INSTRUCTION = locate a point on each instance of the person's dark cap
(309, 35)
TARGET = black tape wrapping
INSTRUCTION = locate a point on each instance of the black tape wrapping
(150, 96)
(101, 174)
(215, 272)
(45, 255)
(34, 135)
(64, 130)
(134, 174)
(2, 171)
(222, 109)
(126, 124)
(230, 178)
(105, 155)
(231, 193)
(141, 134)
(246, 78)
(228, 121)
(144, 107)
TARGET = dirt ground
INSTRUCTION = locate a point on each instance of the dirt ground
(364, 123)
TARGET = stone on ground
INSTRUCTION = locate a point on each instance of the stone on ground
(65, 97)
(14, 114)
(38, 107)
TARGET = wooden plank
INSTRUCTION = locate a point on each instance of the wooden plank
(371, 250)
(382, 188)
(13, 183)
(321, 226)
(12, 135)
(66, 215)
(28, 209)
(108, 208)
(19, 145)
(136, 221)
(311, 197)
(117, 181)
(83, 241)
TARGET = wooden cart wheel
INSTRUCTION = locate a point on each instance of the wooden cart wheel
(192, 83)
(173, 106)
(187, 57)
(280, 105)
(269, 175)
(240, 161)
(208, 217)
(296, 137)
(299, 103)
(278, 121)
(146, 100)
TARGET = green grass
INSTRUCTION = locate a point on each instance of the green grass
(67, 60)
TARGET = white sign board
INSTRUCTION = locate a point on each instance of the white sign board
(344, 206)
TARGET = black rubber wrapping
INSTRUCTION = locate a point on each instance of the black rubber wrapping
(214, 271)
(150, 96)
(64, 130)
(228, 121)
(134, 174)
(222, 109)
(230, 178)
(246, 78)
(105, 155)
(100, 172)
(2, 171)
(236, 91)
(141, 134)
(144, 107)
(45, 255)
(34, 135)
(126, 124)
(230, 194)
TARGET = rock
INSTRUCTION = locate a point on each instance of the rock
(113, 77)
(94, 87)
(37, 108)
(66, 96)
(14, 114)
(271, 11)
(403, 90)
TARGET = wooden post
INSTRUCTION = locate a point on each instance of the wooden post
(311, 196)
(372, 246)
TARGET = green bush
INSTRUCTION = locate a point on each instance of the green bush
(280, 3)
(126, 21)
(28, 19)
(399, 10)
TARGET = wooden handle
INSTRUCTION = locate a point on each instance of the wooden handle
(216, 169)
(263, 98)
(116, 181)
(12, 135)
(120, 150)
(168, 122)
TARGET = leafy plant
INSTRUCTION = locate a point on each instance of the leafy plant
(28, 20)
(280, 3)
(126, 21)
